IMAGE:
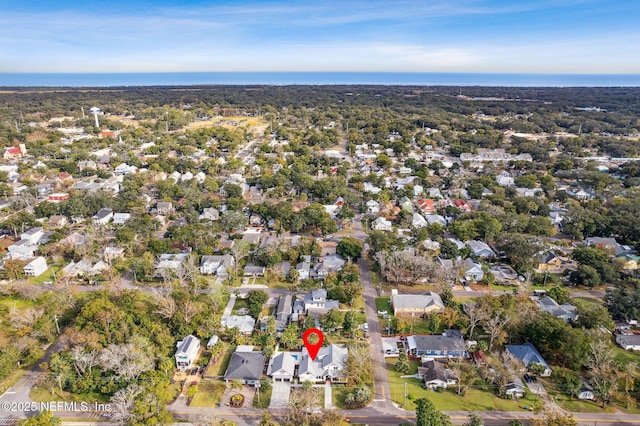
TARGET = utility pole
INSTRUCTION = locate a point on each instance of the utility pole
(55, 317)
(405, 394)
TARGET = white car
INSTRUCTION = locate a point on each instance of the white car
(382, 312)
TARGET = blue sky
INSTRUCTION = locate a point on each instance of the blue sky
(511, 36)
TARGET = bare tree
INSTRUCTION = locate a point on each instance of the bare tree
(604, 374)
(122, 402)
(475, 313)
(165, 305)
(494, 325)
(21, 318)
(125, 360)
(84, 359)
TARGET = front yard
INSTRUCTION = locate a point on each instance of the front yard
(475, 399)
(209, 394)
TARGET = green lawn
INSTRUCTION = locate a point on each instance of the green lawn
(239, 304)
(573, 404)
(498, 287)
(265, 397)
(382, 304)
(42, 394)
(47, 275)
(340, 392)
(625, 357)
(475, 399)
(209, 394)
(219, 367)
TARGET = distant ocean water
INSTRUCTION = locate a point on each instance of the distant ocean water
(314, 78)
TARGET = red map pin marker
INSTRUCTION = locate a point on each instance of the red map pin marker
(313, 348)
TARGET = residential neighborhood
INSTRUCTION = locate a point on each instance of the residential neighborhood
(178, 253)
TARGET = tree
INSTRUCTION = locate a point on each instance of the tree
(349, 322)
(331, 320)
(474, 420)
(591, 315)
(234, 220)
(559, 294)
(555, 418)
(402, 365)
(520, 250)
(428, 415)
(290, 338)
(43, 418)
(255, 300)
(475, 313)
(350, 248)
(360, 366)
(585, 275)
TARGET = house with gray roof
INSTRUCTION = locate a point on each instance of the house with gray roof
(244, 323)
(435, 375)
(328, 365)
(566, 311)
(480, 249)
(187, 352)
(528, 354)
(284, 311)
(416, 304)
(628, 342)
(437, 346)
(317, 301)
(282, 367)
(246, 367)
(216, 265)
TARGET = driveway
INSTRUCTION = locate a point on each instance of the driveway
(280, 394)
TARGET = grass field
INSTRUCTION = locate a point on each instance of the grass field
(265, 397)
(573, 404)
(475, 399)
(40, 394)
(382, 304)
(209, 394)
(219, 367)
(47, 275)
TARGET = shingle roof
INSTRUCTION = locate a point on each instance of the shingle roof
(527, 353)
(245, 366)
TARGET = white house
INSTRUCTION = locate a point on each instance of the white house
(480, 249)
(32, 235)
(472, 271)
(22, 249)
(36, 267)
(381, 224)
(244, 323)
(418, 221)
(628, 342)
(210, 213)
(373, 207)
(435, 375)
(103, 216)
(121, 218)
(435, 218)
(282, 366)
(187, 351)
(216, 265)
(505, 179)
(328, 365)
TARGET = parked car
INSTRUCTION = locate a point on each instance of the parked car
(382, 312)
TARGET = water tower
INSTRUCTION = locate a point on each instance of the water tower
(95, 111)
